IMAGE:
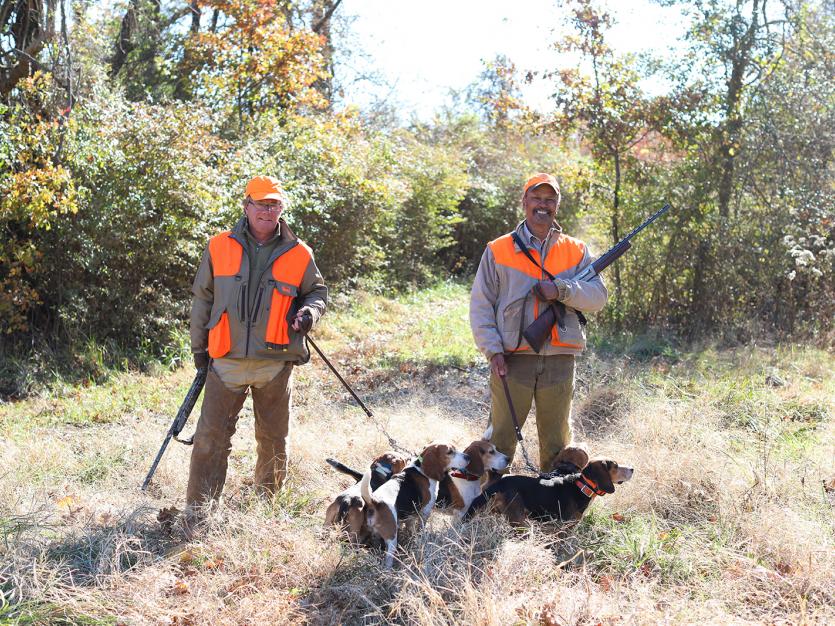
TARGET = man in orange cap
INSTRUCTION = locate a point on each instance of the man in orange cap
(256, 294)
(511, 289)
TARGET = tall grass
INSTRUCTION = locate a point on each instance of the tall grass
(727, 520)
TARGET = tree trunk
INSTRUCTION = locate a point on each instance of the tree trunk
(124, 42)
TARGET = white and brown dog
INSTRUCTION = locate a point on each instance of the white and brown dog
(414, 490)
(459, 488)
(348, 508)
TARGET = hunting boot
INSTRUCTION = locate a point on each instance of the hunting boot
(212, 441)
(272, 404)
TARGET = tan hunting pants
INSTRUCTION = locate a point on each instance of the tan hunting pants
(218, 419)
(546, 381)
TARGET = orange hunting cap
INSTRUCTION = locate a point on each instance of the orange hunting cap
(265, 188)
(542, 179)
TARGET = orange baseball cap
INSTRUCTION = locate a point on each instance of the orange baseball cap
(541, 179)
(265, 188)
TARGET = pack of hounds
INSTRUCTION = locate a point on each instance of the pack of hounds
(395, 490)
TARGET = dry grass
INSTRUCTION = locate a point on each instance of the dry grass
(726, 521)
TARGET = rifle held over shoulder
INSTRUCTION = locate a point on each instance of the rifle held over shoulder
(537, 333)
(180, 421)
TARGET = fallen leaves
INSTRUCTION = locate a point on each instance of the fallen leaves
(66, 503)
(179, 588)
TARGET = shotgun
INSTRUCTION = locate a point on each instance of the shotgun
(537, 333)
(180, 420)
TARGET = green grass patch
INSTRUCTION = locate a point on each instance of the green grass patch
(99, 467)
(638, 544)
(430, 327)
(33, 613)
(118, 399)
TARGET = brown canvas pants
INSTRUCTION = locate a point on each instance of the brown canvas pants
(546, 381)
(213, 436)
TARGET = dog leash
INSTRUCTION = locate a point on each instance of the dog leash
(397, 447)
(516, 427)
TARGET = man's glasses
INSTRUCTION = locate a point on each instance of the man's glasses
(266, 208)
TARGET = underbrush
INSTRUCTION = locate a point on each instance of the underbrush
(728, 518)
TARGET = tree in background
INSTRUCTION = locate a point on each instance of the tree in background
(125, 138)
(603, 101)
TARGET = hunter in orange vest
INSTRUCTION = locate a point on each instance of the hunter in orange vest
(256, 294)
(510, 290)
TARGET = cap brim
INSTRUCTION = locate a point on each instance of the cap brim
(544, 182)
(268, 196)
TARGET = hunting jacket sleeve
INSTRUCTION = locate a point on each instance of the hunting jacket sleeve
(201, 304)
(483, 302)
(313, 291)
(588, 296)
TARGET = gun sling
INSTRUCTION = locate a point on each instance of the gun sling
(558, 308)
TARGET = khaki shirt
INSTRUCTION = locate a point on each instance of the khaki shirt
(500, 306)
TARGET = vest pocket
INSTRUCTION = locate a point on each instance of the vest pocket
(277, 327)
(512, 319)
(573, 336)
(220, 338)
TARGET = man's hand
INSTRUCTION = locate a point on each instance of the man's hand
(551, 291)
(303, 322)
(498, 365)
(201, 360)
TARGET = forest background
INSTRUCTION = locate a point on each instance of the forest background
(128, 129)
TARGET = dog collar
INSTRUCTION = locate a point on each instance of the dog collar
(464, 474)
(588, 487)
(383, 469)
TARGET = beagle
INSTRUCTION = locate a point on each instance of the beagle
(563, 497)
(570, 460)
(348, 508)
(459, 488)
(414, 490)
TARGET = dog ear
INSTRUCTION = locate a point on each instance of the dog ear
(475, 451)
(435, 460)
(600, 472)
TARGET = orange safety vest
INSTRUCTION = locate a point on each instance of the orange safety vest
(226, 254)
(564, 254)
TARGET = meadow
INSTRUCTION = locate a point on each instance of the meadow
(728, 519)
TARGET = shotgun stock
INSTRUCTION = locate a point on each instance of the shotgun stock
(538, 331)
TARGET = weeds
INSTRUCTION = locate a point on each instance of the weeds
(726, 520)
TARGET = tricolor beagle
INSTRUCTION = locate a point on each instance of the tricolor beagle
(348, 508)
(414, 490)
(459, 488)
(563, 497)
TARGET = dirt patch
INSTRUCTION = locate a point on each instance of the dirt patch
(601, 410)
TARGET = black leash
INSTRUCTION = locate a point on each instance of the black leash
(516, 427)
(368, 412)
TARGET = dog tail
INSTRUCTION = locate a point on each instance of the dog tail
(365, 488)
(341, 467)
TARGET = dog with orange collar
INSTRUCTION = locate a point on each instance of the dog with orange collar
(564, 498)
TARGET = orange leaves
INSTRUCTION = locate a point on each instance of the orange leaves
(255, 62)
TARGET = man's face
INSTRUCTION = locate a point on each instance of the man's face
(263, 215)
(540, 204)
